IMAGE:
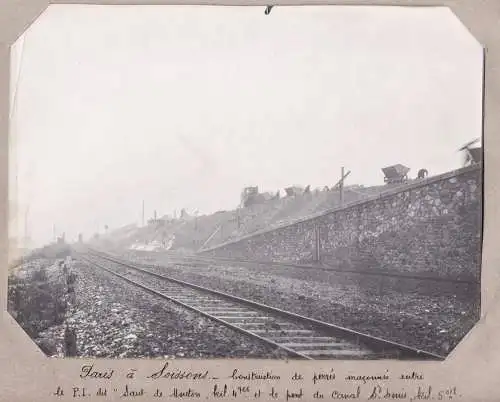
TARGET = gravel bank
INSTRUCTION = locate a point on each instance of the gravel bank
(429, 316)
(114, 319)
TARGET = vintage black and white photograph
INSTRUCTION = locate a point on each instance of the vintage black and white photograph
(201, 182)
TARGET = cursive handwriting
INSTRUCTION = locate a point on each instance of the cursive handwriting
(178, 374)
(346, 395)
(385, 393)
(254, 376)
(189, 393)
(88, 371)
(323, 376)
(413, 376)
(365, 378)
(330, 385)
(132, 392)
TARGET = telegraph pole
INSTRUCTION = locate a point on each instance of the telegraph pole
(341, 185)
(143, 213)
(26, 227)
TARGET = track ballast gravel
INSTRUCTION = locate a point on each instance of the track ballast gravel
(426, 315)
(115, 319)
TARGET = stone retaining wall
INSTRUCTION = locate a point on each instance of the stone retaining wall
(432, 227)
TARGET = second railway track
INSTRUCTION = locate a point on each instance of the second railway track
(197, 259)
(296, 335)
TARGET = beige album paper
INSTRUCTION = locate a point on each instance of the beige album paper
(248, 201)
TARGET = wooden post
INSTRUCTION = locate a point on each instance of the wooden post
(26, 235)
(143, 213)
(341, 185)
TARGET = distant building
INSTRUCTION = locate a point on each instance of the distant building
(185, 215)
(248, 196)
(293, 190)
(61, 239)
(268, 196)
(251, 196)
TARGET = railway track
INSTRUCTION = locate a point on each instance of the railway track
(193, 260)
(296, 335)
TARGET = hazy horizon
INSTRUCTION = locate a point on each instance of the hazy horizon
(183, 106)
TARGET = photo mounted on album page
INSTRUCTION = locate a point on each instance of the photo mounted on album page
(246, 176)
(275, 184)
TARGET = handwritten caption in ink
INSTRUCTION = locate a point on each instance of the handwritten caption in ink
(169, 382)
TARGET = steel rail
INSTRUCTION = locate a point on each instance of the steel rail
(387, 274)
(373, 342)
(187, 306)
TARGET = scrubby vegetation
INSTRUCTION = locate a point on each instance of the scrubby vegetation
(37, 303)
(38, 292)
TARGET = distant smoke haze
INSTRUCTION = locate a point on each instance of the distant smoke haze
(182, 107)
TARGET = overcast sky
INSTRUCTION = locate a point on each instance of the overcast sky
(184, 106)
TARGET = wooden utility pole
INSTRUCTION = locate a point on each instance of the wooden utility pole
(341, 185)
(142, 212)
(26, 234)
